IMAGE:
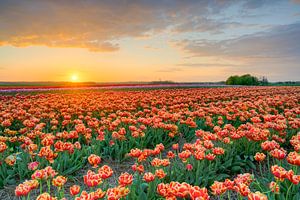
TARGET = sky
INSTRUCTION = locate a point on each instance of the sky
(149, 40)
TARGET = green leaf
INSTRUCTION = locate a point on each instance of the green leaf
(11, 181)
(251, 164)
(227, 163)
(297, 196)
(221, 177)
(236, 169)
(251, 158)
(144, 186)
(10, 172)
(142, 195)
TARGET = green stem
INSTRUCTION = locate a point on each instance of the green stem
(198, 172)
(295, 169)
(49, 186)
(138, 182)
(41, 187)
(221, 196)
(260, 169)
(240, 197)
(149, 190)
(228, 195)
(91, 189)
(268, 162)
(28, 196)
(62, 192)
(59, 193)
(257, 183)
(288, 191)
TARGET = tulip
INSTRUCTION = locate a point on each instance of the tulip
(74, 190)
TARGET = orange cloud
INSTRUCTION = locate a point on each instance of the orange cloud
(98, 25)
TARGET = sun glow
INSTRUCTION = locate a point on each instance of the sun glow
(74, 78)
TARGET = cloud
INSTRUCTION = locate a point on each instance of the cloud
(205, 65)
(296, 1)
(254, 4)
(296, 14)
(94, 25)
(99, 25)
(170, 69)
(200, 24)
(278, 42)
(148, 47)
(274, 53)
(181, 67)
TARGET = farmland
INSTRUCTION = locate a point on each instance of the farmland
(184, 143)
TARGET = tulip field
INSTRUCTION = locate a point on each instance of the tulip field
(139, 144)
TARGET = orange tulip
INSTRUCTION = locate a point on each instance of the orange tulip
(149, 177)
(160, 173)
(45, 196)
(94, 160)
(91, 179)
(105, 172)
(59, 181)
(3, 147)
(257, 196)
(218, 188)
(22, 190)
(74, 190)
(278, 172)
(125, 179)
(259, 157)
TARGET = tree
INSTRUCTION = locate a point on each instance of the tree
(232, 80)
(263, 81)
(245, 79)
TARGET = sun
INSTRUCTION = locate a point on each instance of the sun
(74, 77)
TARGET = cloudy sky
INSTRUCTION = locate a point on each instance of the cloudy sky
(146, 40)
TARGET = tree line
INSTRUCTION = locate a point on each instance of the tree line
(246, 79)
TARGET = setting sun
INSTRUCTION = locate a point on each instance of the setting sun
(74, 78)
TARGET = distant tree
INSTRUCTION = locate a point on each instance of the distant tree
(245, 79)
(263, 81)
(232, 80)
